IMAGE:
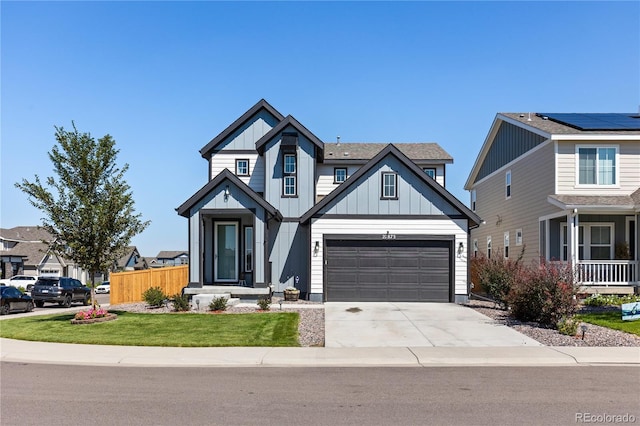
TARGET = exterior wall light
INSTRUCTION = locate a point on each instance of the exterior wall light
(226, 193)
(460, 248)
(316, 248)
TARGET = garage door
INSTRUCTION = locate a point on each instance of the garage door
(388, 271)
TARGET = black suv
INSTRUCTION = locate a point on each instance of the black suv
(61, 290)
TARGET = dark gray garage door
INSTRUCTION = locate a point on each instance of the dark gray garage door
(388, 271)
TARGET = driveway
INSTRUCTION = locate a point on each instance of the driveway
(382, 324)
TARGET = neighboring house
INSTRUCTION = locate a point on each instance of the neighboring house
(566, 187)
(170, 258)
(24, 251)
(340, 222)
(131, 261)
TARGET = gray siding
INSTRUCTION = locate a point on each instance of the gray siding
(289, 255)
(247, 135)
(290, 206)
(415, 197)
(509, 143)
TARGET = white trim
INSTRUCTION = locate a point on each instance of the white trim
(577, 183)
(555, 166)
(519, 237)
(506, 244)
(586, 235)
(508, 188)
(600, 137)
(215, 252)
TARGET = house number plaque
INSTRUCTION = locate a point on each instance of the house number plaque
(388, 236)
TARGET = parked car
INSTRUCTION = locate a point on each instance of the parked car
(105, 287)
(13, 300)
(61, 290)
(24, 281)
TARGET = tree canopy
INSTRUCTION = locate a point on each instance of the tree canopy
(88, 207)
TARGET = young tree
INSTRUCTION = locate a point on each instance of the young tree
(89, 207)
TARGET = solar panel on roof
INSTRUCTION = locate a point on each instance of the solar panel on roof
(595, 121)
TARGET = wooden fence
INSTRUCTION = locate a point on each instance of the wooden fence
(127, 287)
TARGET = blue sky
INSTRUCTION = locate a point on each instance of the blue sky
(164, 78)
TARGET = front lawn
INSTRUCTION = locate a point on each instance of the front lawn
(611, 319)
(182, 330)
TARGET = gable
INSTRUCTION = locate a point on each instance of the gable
(509, 143)
(415, 196)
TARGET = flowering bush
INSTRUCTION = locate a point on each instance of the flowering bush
(91, 313)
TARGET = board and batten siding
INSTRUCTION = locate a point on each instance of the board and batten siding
(305, 156)
(289, 255)
(628, 168)
(444, 227)
(223, 160)
(246, 136)
(532, 181)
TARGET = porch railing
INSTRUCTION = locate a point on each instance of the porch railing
(608, 272)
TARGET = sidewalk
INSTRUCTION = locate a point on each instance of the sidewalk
(148, 356)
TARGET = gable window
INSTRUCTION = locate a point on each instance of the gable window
(506, 245)
(430, 171)
(518, 237)
(507, 184)
(289, 170)
(242, 167)
(489, 246)
(389, 185)
(597, 165)
(339, 174)
(473, 200)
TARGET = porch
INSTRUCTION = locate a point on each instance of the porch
(608, 277)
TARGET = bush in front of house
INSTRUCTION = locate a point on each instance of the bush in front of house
(544, 293)
(609, 300)
(496, 275)
(180, 302)
(264, 303)
(218, 304)
(154, 297)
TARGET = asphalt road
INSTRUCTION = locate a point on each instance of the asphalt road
(33, 394)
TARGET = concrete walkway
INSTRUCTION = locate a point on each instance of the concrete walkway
(381, 324)
(398, 356)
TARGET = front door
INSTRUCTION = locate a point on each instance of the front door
(226, 251)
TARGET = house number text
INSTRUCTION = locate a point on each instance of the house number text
(388, 236)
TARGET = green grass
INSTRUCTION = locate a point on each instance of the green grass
(181, 330)
(611, 320)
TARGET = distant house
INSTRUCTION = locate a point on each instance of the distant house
(24, 251)
(338, 221)
(131, 261)
(170, 258)
(566, 187)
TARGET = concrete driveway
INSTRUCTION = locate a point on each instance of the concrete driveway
(397, 324)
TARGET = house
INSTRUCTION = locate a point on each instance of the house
(131, 261)
(24, 251)
(170, 258)
(338, 221)
(565, 187)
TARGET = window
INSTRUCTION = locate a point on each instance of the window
(518, 237)
(339, 174)
(290, 176)
(595, 241)
(430, 171)
(507, 184)
(597, 166)
(248, 248)
(475, 248)
(242, 167)
(506, 245)
(489, 246)
(389, 183)
(473, 200)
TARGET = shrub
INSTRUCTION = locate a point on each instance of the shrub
(496, 275)
(154, 297)
(218, 304)
(180, 302)
(264, 303)
(568, 326)
(609, 300)
(544, 293)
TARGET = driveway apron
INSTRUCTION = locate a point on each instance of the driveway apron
(400, 324)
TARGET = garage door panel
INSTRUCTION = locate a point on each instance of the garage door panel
(399, 270)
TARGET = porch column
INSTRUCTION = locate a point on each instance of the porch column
(572, 236)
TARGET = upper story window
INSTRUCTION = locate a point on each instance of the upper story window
(242, 167)
(507, 184)
(289, 171)
(339, 174)
(597, 165)
(389, 185)
(430, 171)
(473, 200)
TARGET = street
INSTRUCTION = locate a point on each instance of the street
(33, 394)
